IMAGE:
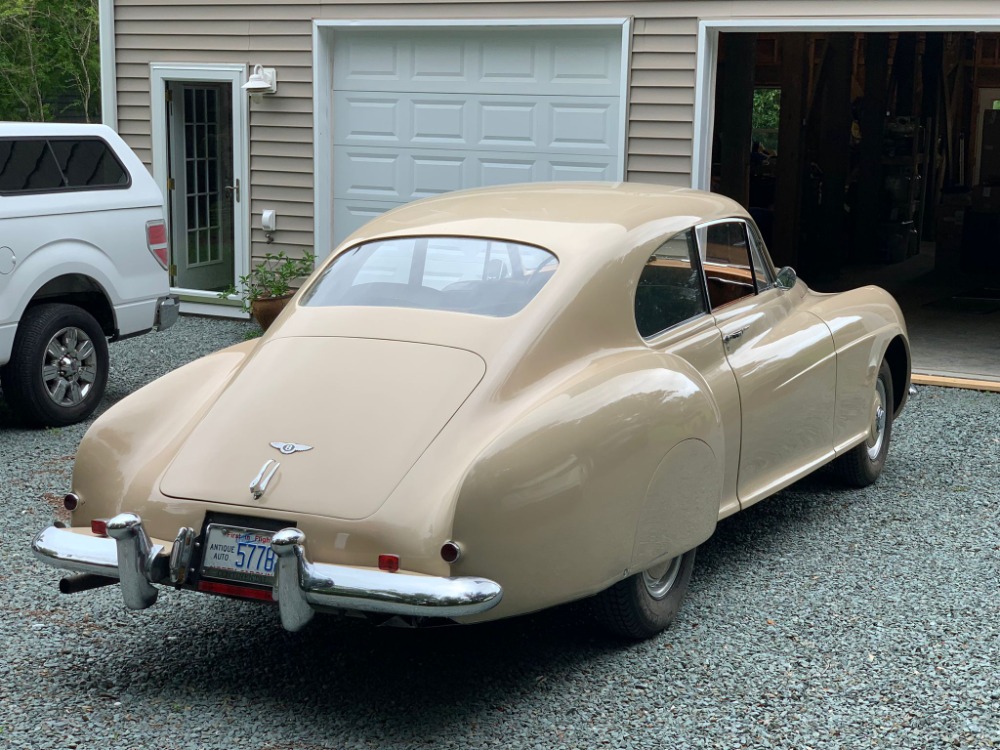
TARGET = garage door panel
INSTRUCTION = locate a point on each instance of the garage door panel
(387, 175)
(557, 124)
(437, 121)
(382, 175)
(441, 62)
(602, 171)
(509, 63)
(529, 61)
(351, 215)
(433, 175)
(514, 124)
(495, 171)
(374, 119)
(419, 112)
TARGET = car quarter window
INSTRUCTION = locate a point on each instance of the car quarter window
(40, 165)
(725, 251)
(762, 267)
(669, 289)
(461, 274)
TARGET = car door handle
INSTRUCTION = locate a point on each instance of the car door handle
(738, 334)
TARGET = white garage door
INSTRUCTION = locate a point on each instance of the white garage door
(417, 112)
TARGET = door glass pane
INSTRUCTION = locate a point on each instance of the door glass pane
(726, 260)
(202, 164)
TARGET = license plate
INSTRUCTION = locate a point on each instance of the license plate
(235, 553)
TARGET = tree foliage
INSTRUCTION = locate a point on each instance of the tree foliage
(49, 60)
(766, 107)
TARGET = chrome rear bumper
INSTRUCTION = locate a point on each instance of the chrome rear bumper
(300, 587)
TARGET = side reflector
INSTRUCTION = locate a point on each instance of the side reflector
(229, 589)
(156, 241)
(71, 502)
(99, 526)
(389, 563)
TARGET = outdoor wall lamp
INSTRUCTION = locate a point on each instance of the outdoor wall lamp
(262, 81)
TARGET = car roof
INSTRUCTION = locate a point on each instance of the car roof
(568, 218)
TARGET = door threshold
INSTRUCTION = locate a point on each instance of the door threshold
(212, 309)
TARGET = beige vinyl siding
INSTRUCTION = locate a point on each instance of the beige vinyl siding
(661, 92)
(281, 152)
(280, 35)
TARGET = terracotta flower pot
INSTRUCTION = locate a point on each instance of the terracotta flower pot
(266, 309)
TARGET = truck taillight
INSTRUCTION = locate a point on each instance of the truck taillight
(156, 241)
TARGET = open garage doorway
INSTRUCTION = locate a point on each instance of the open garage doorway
(873, 157)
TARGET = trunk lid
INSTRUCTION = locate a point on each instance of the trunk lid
(366, 408)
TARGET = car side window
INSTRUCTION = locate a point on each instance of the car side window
(729, 273)
(58, 164)
(669, 289)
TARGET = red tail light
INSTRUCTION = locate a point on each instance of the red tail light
(99, 526)
(389, 563)
(156, 241)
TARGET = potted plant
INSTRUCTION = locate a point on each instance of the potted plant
(268, 287)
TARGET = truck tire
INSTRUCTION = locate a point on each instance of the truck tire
(58, 368)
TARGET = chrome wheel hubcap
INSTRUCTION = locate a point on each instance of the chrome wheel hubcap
(69, 367)
(876, 433)
(661, 578)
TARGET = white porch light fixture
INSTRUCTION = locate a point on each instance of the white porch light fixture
(262, 81)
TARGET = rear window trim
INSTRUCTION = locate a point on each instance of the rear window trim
(68, 188)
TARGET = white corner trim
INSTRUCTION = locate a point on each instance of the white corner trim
(322, 45)
(109, 77)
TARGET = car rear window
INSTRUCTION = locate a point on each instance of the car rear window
(462, 274)
(42, 165)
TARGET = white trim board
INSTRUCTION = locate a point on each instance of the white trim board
(236, 75)
(109, 72)
(322, 38)
(708, 51)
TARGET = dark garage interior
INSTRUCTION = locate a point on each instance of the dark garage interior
(875, 158)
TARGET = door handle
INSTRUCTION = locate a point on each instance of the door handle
(233, 190)
(738, 334)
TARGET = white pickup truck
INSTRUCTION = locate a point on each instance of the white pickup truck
(83, 260)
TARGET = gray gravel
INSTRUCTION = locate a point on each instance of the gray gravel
(821, 618)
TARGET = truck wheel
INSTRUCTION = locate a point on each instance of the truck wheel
(644, 604)
(58, 368)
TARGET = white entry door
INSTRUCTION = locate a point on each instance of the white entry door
(199, 159)
(417, 112)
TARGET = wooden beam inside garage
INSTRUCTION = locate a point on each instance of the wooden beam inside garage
(791, 150)
(872, 124)
(734, 122)
(833, 156)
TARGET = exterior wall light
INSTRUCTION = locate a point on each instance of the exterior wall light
(262, 81)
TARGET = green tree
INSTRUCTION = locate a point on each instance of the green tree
(49, 60)
(766, 107)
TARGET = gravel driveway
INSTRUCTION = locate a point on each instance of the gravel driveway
(821, 618)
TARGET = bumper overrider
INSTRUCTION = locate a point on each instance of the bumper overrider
(301, 587)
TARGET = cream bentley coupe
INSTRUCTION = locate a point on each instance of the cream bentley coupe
(488, 403)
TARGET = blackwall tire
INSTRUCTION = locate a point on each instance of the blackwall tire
(646, 603)
(863, 464)
(58, 368)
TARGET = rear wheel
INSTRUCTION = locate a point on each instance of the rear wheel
(58, 368)
(863, 464)
(644, 604)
